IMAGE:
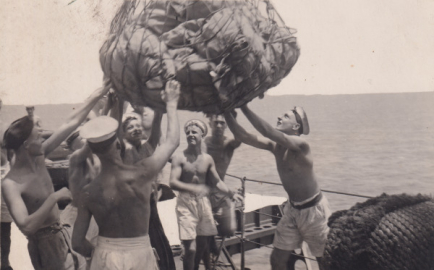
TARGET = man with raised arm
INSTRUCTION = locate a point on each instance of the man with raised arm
(193, 175)
(119, 197)
(221, 148)
(29, 192)
(146, 123)
(305, 217)
(84, 166)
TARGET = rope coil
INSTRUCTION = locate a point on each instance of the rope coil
(385, 232)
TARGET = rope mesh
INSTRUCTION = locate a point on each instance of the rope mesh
(385, 232)
(244, 44)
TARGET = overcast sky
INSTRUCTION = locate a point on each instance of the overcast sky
(49, 49)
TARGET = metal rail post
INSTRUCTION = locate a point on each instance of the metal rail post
(243, 193)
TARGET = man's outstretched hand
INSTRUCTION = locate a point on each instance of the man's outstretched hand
(171, 92)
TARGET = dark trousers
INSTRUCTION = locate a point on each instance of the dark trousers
(159, 240)
(5, 244)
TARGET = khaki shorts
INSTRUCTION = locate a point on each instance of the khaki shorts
(194, 216)
(309, 225)
(124, 254)
(50, 249)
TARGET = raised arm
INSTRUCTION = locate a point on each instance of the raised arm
(29, 224)
(154, 138)
(162, 154)
(243, 136)
(291, 142)
(234, 144)
(74, 120)
(79, 242)
(77, 162)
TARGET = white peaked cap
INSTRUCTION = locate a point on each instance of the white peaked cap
(99, 129)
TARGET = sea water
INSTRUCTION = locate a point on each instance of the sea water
(363, 144)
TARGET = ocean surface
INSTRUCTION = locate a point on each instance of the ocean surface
(362, 144)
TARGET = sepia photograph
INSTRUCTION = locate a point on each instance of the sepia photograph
(217, 134)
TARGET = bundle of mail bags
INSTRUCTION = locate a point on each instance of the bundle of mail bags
(224, 53)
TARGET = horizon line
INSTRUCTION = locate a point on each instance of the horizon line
(266, 94)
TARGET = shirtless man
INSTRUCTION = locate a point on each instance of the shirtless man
(193, 174)
(84, 166)
(29, 192)
(136, 127)
(137, 148)
(305, 217)
(119, 197)
(6, 219)
(221, 149)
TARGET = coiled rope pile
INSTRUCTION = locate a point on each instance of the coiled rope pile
(386, 232)
(224, 53)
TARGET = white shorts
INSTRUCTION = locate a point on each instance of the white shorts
(194, 216)
(309, 225)
(124, 254)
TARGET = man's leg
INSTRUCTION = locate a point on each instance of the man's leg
(202, 243)
(319, 261)
(279, 259)
(212, 249)
(5, 245)
(189, 254)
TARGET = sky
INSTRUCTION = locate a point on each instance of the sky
(49, 49)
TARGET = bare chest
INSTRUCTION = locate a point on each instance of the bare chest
(220, 154)
(194, 172)
(36, 190)
(287, 160)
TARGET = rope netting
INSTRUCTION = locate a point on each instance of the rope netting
(385, 232)
(224, 53)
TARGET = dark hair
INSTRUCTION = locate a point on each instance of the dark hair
(17, 133)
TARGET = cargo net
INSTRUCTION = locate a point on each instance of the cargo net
(224, 53)
(386, 232)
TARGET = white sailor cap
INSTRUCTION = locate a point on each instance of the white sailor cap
(99, 129)
(304, 127)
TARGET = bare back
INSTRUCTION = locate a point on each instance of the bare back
(81, 174)
(119, 201)
(295, 168)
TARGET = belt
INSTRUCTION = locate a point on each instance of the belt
(308, 204)
(52, 229)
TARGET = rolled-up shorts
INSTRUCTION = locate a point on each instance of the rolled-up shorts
(309, 225)
(195, 216)
(133, 253)
(50, 249)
